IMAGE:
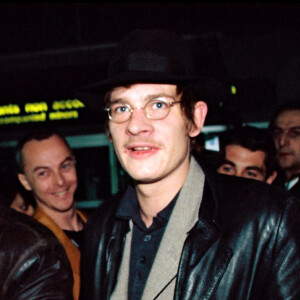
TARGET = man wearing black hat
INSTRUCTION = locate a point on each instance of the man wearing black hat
(180, 231)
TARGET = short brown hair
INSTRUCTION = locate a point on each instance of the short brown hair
(38, 136)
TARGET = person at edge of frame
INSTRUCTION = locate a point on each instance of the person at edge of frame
(285, 129)
(33, 263)
(47, 168)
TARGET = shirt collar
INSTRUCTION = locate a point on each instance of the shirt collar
(292, 182)
(129, 205)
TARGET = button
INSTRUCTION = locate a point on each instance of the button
(147, 238)
(142, 259)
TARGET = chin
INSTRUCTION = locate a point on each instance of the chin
(65, 206)
(64, 209)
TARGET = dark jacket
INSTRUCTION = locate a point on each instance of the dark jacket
(33, 264)
(245, 245)
(280, 181)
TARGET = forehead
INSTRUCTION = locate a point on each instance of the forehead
(143, 90)
(50, 149)
(241, 155)
(288, 118)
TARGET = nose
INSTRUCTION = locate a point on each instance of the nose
(59, 179)
(283, 139)
(238, 173)
(138, 122)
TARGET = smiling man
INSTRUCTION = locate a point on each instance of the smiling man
(179, 231)
(248, 152)
(47, 168)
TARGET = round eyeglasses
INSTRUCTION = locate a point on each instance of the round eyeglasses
(154, 109)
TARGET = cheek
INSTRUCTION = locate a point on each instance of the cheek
(112, 130)
(71, 177)
(276, 143)
(296, 145)
(40, 186)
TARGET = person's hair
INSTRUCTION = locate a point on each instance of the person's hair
(291, 105)
(188, 99)
(10, 186)
(38, 136)
(253, 139)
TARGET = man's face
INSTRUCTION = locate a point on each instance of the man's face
(152, 150)
(242, 162)
(49, 171)
(286, 135)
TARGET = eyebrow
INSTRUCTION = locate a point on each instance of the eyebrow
(147, 98)
(255, 168)
(228, 162)
(46, 167)
(159, 96)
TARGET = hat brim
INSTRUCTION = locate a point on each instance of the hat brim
(137, 77)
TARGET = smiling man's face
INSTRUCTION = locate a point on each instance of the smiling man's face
(49, 172)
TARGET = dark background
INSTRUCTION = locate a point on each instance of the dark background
(48, 50)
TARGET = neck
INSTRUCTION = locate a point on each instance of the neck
(155, 196)
(68, 220)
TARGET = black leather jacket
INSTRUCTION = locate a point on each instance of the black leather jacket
(33, 264)
(245, 245)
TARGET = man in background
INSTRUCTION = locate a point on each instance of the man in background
(47, 168)
(248, 152)
(285, 128)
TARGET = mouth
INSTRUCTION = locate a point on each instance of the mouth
(141, 151)
(60, 194)
(284, 154)
(140, 148)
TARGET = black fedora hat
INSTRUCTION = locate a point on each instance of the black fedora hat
(149, 56)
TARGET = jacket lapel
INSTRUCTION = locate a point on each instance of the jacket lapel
(183, 218)
(204, 252)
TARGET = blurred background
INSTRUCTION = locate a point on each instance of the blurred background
(48, 50)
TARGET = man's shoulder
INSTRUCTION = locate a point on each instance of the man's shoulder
(39, 261)
(105, 212)
(248, 196)
(103, 223)
(23, 226)
(21, 234)
(239, 185)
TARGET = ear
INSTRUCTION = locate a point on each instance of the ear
(24, 181)
(271, 178)
(200, 112)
